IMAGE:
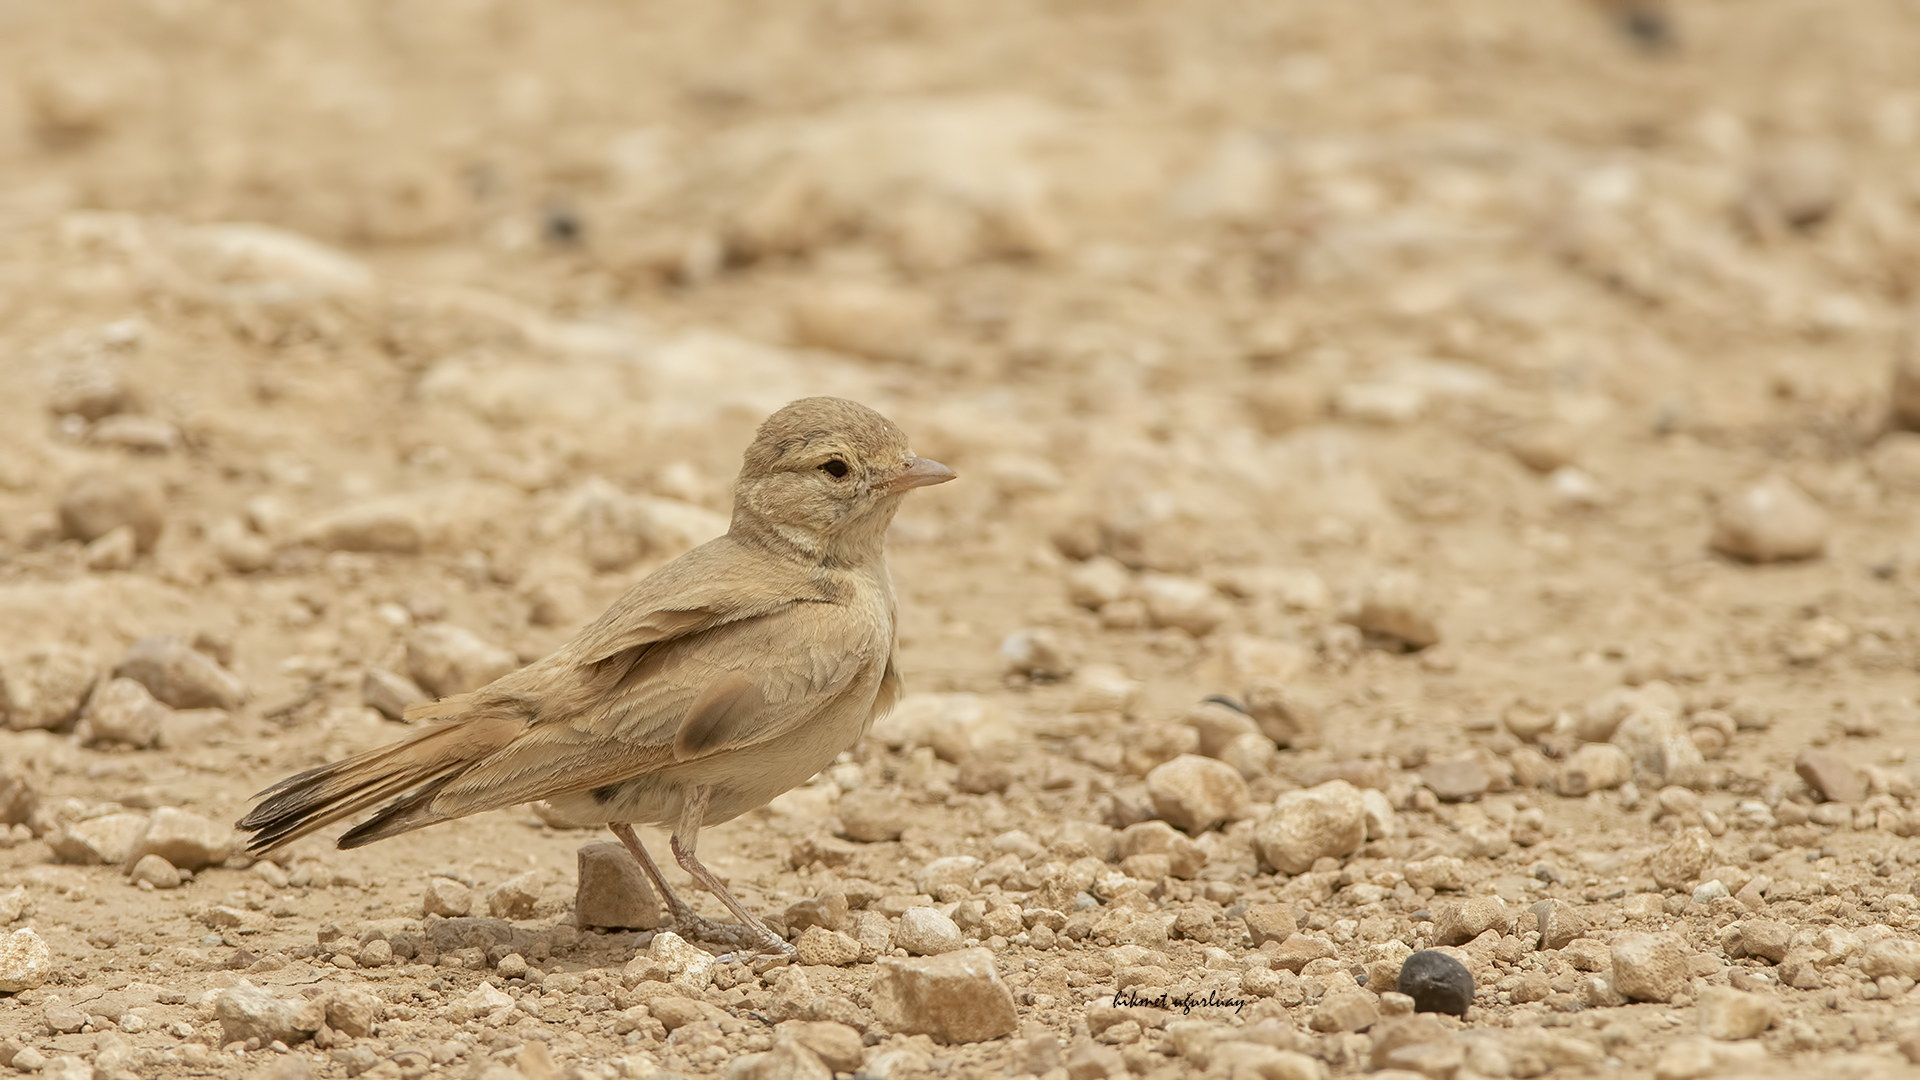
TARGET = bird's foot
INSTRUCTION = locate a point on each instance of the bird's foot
(744, 941)
(769, 949)
(699, 928)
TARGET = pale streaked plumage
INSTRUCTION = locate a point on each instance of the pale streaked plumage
(724, 678)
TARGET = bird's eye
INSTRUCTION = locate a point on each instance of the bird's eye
(834, 467)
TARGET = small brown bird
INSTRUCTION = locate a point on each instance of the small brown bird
(726, 677)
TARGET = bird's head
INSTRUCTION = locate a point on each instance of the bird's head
(825, 476)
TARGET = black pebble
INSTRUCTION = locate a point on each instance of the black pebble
(1437, 983)
(563, 226)
(1646, 25)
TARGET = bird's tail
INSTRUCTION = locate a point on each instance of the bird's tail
(404, 775)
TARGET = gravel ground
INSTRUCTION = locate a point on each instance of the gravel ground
(1435, 479)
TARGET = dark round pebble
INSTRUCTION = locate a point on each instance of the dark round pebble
(563, 226)
(1437, 983)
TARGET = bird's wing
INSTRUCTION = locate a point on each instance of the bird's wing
(736, 684)
(720, 581)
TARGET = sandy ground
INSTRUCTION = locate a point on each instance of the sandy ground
(1492, 399)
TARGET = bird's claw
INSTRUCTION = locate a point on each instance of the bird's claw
(746, 941)
(768, 953)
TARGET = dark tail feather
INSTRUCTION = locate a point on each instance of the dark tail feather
(406, 775)
(403, 815)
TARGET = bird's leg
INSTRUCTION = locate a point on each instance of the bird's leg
(682, 842)
(682, 913)
(686, 922)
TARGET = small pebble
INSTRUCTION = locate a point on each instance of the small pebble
(873, 321)
(135, 433)
(446, 897)
(445, 659)
(1770, 521)
(97, 503)
(45, 688)
(1436, 982)
(180, 675)
(390, 694)
(1797, 185)
(1036, 655)
(1344, 1010)
(1594, 767)
(155, 871)
(377, 953)
(1326, 821)
(1103, 688)
(1184, 603)
(924, 931)
(1831, 775)
(1195, 793)
(515, 897)
(1729, 1014)
(955, 997)
(387, 525)
(1460, 921)
(1648, 967)
(114, 551)
(121, 712)
(611, 890)
(1457, 778)
(1099, 581)
(91, 391)
(1557, 922)
(1218, 725)
(1682, 860)
(818, 945)
(838, 1046)
(870, 816)
(1395, 605)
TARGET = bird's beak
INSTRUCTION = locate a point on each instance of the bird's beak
(920, 472)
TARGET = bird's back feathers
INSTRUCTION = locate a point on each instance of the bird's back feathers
(645, 687)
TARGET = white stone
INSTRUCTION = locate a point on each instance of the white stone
(1099, 581)
(1195, 793)
(1328, 820)
(956, 725)
(485, 1000)
(1729, 1014)
(180, 675)
(184, 839)
(1648, 967)
(954, 997)
(446, 659)
(108, 839)
(1595, 767)
(1103, 688)
(924, 931)
(683, 964)
(45, 686)
(121, 712)
(1770, 521)
(154, 871)
(251, 1012)
(25, 961)
(1186, 603)
(1396, 605)
(446, 897)
(1036, 654)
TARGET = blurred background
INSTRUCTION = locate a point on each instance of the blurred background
(1451, 364)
